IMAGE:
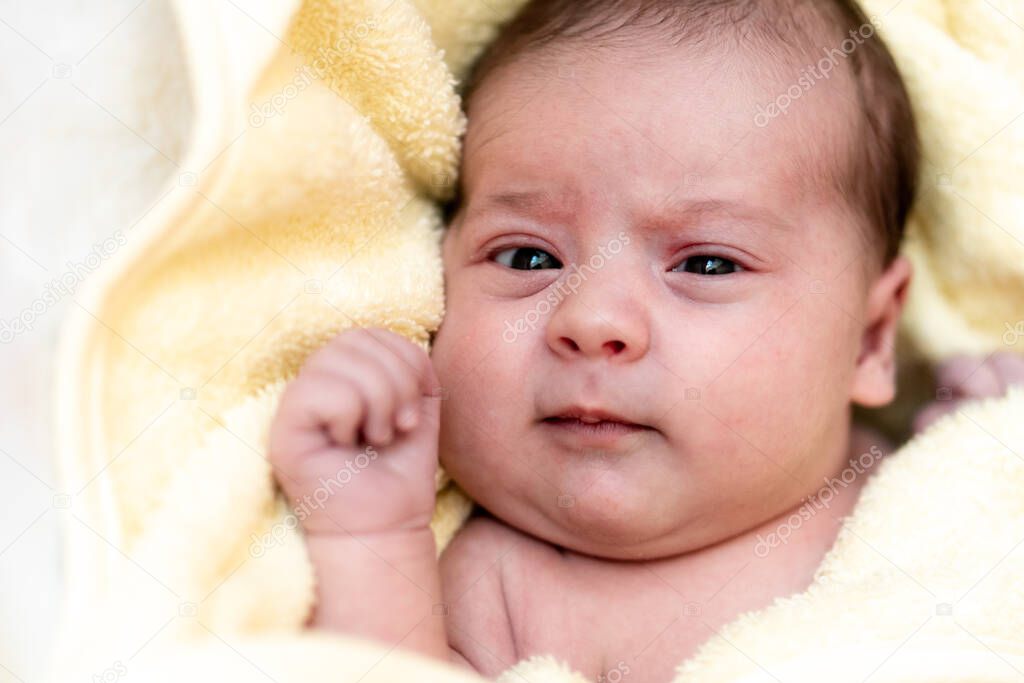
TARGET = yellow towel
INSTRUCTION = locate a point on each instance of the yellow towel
(323, 140)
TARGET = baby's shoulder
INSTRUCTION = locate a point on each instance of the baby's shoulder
(485, 541)
(475, 571)
(480, 529)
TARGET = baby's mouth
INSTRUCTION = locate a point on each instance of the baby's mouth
(581, 423)
(590, 421)
(591, 424)
(574, 433)
(591, 416)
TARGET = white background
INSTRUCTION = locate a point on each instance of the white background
(93, 117)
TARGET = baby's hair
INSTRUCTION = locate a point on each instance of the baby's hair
(881, 181)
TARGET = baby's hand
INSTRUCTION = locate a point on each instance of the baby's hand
(964, 378)
(354, 441)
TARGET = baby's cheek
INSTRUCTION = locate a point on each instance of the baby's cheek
(465, 337)
(785, 382)
(483, 375)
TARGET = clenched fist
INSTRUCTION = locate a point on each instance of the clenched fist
(354, 440)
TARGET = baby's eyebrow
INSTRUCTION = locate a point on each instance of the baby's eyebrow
(532, 202)
(671, 215)
(689, 211)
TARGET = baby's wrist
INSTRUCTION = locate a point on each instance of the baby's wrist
(370, 524)
(358, 516)
(387, 536)
(373, 584)
(361, 556)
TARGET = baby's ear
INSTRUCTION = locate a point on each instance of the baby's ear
(874, 379)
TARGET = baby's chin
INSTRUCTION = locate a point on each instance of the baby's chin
(602, 534)
(644, 503)
(600, 523)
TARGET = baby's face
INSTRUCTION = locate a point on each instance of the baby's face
(578, 276)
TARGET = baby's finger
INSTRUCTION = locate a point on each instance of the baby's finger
(968, 377)
(375, 389)
(1008, 368)
(315, 402)
(415, 356)
(401, 378)
(396, 357)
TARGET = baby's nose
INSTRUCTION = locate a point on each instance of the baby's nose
(614, 328)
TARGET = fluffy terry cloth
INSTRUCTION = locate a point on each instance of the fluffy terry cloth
(325, 135)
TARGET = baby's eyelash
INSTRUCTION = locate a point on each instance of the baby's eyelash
(708, 265)
(512, 261)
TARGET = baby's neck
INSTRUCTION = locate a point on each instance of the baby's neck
(779, 556)
(653, 614)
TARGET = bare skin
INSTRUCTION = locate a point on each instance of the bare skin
(628, 547)
(513, 595)
(964, 377)
(503, 594)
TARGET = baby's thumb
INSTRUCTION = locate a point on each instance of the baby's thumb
(430, 412)
(432, 395)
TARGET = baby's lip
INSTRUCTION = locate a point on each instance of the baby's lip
(591, 415)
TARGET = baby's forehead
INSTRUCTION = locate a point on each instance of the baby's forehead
(777, 70)
(687, 114)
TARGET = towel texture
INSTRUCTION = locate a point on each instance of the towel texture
(325, 134)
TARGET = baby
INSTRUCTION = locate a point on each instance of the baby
(671, 271)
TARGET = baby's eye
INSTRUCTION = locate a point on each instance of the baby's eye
(707, 265)
(526, 258)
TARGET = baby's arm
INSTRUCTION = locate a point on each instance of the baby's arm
(354, 446)
(965, 378)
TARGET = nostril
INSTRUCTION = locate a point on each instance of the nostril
(571, 344)
(616, 345)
